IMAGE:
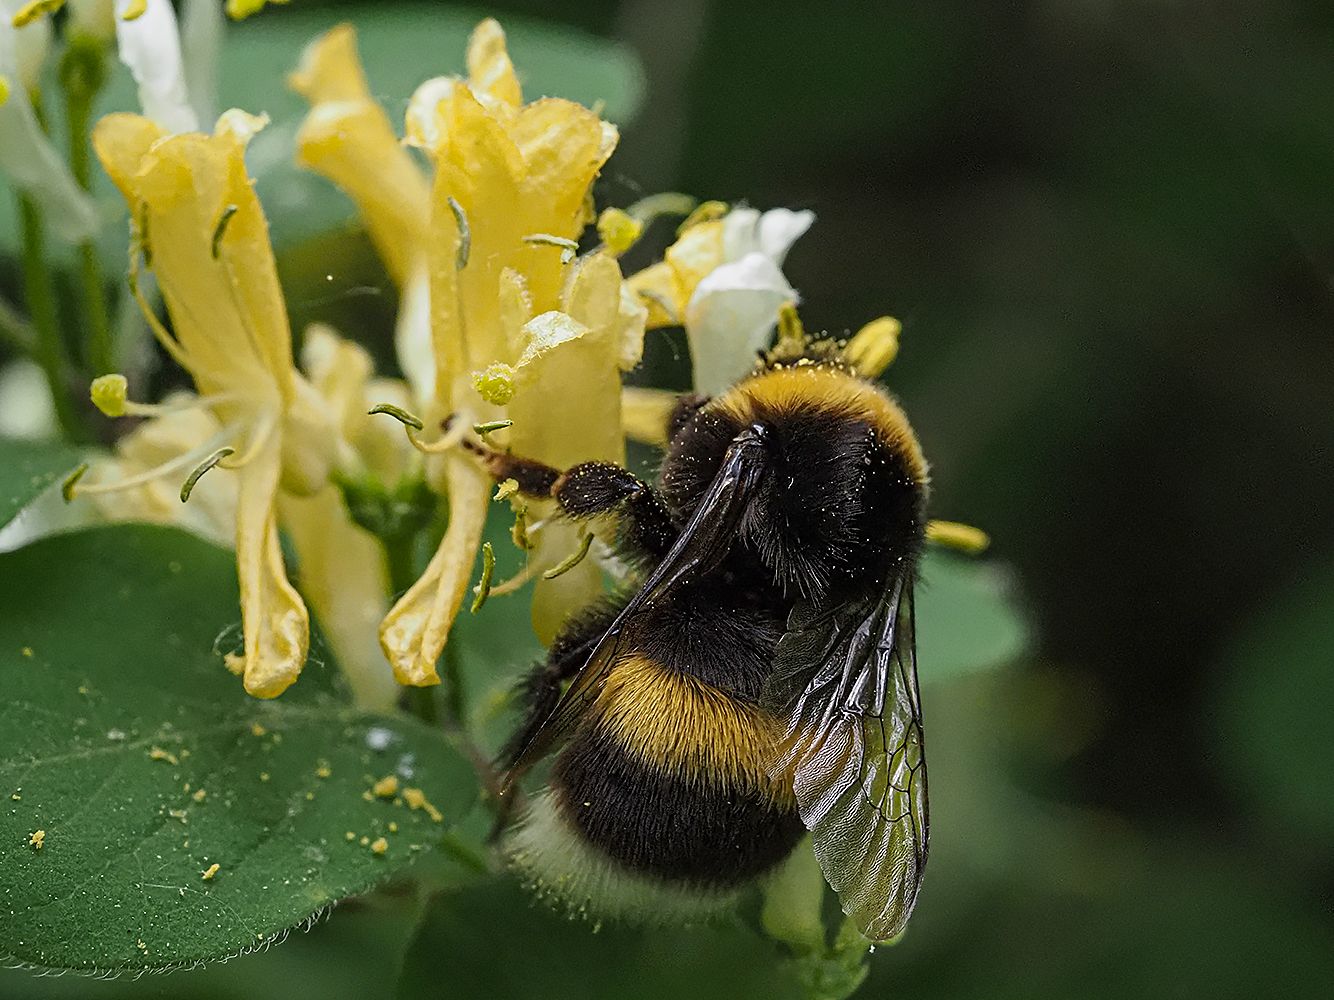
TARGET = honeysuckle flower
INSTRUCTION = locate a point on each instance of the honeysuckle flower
(518, 330)
(723, 281)
(347, 138)
(27, 157)
(197, 214)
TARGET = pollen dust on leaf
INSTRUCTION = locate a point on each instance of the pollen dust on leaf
(386, 787)
(157, 753)
(208, 873)
(37, 839)
(416, 799)
(379, 845)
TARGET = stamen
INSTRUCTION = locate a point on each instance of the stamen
(572, 560)
(221, 228)
(662, 203)
(465, 235)
(182, 461)
(618, 230)
(516, 582)
(569, 248)
(791, 331)
(874, 347)
(506, 489)
(483, 589)
(959, 537)
(188, 486)
(169, 343)
(72, 480)
(31, 11)
(704, 212)
(108, 393)
(258, 439)
(398, 413)
(134, 10)
(494, 425)
(519, 529)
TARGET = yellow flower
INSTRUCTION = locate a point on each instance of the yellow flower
(509, 310)
(348, 139)
(199, 219)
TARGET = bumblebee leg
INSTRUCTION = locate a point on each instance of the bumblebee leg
(645, 530)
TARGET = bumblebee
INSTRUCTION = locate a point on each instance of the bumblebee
(760, 681)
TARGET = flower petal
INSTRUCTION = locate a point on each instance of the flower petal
(273, 616)
(413, 634)
(490, 71)
(150, 46)
(347, 138)
(345, 579)
(731, 316)
(772, 233)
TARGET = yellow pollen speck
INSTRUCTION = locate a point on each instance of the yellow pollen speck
(495, 384)
(157, 753)
(200, 795)
(31, 11)
(350, 835)
(416, 799)
(263, 775)
(507, 489)
(16, 797)
(109, 393)
(310, 796)
(257, 730)
(368, 796)
(324, 771)
(208, 873)
(37, 839)
(27, 652)
(134, 10)
(393, 827)
(179, 814)
(380, 846)
(364, 841)
(386, 787)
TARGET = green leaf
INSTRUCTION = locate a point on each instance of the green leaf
(27, 470)
(491, 940)
(124, 739)
(1273, 711)
(967, 617)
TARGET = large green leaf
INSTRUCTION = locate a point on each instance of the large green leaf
(125, 740)
(27, 470)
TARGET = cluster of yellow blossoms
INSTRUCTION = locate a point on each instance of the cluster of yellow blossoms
(502, 323)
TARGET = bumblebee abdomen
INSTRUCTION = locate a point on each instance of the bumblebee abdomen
(665, 787)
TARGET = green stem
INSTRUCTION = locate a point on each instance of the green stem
(82, 80)
(39, 291)
(15, 330)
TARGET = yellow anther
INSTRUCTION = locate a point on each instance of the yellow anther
(874, 347)
(494, 425)
(519, 530)
(398, 413)
(506, 489)
(704, 212)
(238, 10)
(618, 230)
(495, 384)
(959, 537)
(71, 481)
(135, 10)
(4, 89)
(483, 589)
(30, 12)
(109, 393)
(188, 486)
(570, 561)
(791, 331)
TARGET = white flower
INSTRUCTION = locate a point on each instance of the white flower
(150, 45)
(27, 157)
(734, 308)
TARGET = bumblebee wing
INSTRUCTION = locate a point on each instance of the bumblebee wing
(701, 546)
(846, 681)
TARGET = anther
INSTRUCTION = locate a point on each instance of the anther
(704, 212)
(188, 486)
(493, 425)
(568, 248)
(398, 413)
(221, 228)
(570, 561)
(962, 538)
(483, 589)
(465, 234)
(72, 480)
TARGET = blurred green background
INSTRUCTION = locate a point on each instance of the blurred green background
(1108, 229)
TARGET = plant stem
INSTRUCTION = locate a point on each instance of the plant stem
(15, 330)
(39, 291)
(80, 91)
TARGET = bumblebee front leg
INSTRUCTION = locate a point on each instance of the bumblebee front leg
(589, 490)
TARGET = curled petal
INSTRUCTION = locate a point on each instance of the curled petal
(413, 634)
(772, 233)
(490, 71)
(731, 316)
(150, 45)
(273, 616)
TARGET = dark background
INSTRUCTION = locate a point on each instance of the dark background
(1108, 229)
